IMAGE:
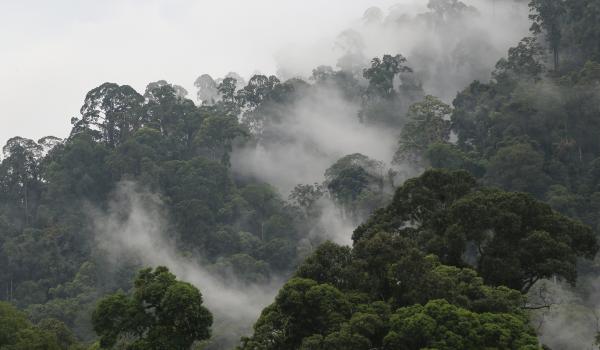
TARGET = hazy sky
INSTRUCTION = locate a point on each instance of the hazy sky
(53, 52)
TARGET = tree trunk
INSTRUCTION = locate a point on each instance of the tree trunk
(26, 203)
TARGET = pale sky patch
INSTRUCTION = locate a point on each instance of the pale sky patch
(53, 52)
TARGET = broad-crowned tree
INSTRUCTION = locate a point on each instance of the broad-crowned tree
(112, 111)
(510, 238)
(162, 313)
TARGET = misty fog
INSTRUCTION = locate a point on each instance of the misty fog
(278, 147)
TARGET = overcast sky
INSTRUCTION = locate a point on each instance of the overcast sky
(53, 52)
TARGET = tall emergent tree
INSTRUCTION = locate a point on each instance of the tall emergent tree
(546, 17)
(428, 123)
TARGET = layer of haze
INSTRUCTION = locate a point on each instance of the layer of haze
(53, 52)
(317, 130)
(446, 55)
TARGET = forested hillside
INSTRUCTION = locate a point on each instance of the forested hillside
(367, 206)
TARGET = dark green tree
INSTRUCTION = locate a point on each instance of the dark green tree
(392, 89)
(356, 183)
(302, 308)
(382, 73)
(162, 313)
(216, 135)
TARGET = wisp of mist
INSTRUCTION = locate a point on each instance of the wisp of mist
(135, 225)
